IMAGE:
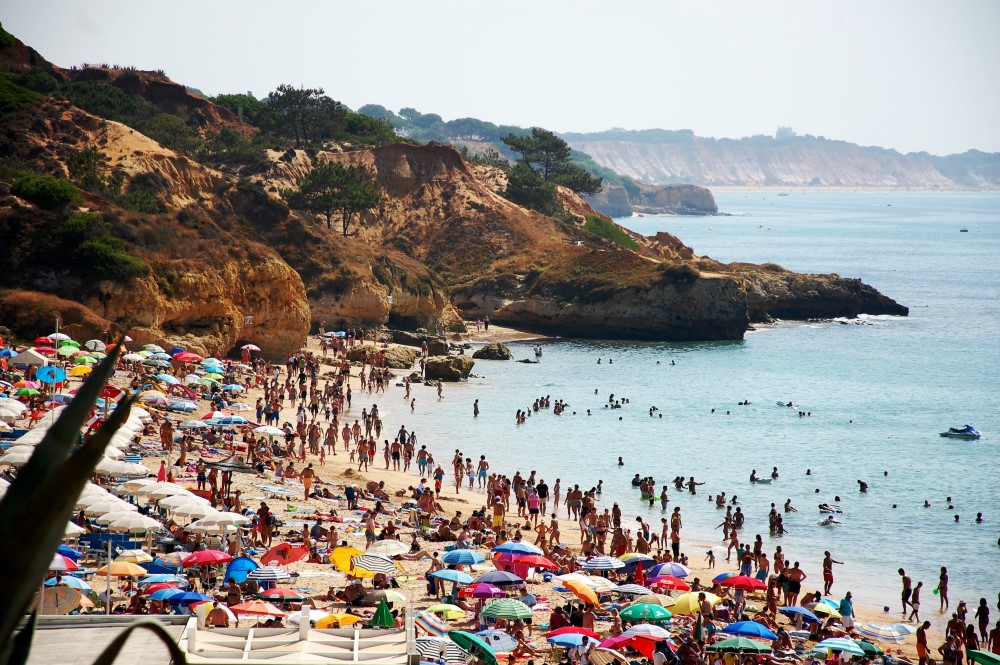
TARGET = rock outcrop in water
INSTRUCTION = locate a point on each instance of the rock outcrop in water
(616, 201)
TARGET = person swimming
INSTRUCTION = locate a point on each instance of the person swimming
(829, 521)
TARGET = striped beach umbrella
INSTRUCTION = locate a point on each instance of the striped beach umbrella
(269, 574)
(463, 557)
(376, 563)
(507, 608)
(430, 624)
(603, 563)
(840, 644)
(884, 632)
(441, 648)
(632, 590)
(388, 548)
(671, 568)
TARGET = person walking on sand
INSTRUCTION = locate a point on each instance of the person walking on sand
(907, 589)
(943, 589)
(307, 476)
(915, 603)
(828, 562)
(922, 651)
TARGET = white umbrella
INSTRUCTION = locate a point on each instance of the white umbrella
(113, 453)
(135, 524)
(13, 404)
(58, 563)
(388, 548)
(162, 490)
(108, 518)
(74, 530)
(95, 345)
(108, 506)
(110, 467)
(90, 489)
(603, 563)
(142, 413)
(87, 500)
(269, 430)
(58, 337)
(195, 510)
(218, 522)
(179, 500)
(136, 486)
(17, 457)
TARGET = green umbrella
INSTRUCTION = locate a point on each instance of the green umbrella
(740, 644)
(869, 648)
(69, 342)
(21, 392)
(84, 360)
(645, 612)
(984, 657)
(507, 608)
(474, 645)
(383, 616)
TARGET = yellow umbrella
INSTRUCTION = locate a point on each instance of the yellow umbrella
(123, 569)
(338, 620)
(659, 599)
(447, 611)
(688, 603)
(134, 556)
(823, 608)
(81, 370)
(341, 559)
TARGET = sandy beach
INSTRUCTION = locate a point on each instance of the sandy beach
(337, 471)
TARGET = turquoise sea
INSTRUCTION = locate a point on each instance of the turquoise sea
(880, 389)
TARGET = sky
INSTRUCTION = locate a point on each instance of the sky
(914, 75)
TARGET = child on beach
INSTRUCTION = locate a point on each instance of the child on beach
(710, 557)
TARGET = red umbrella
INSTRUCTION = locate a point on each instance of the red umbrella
(43, 341)
(111, 392)
(669, 583)
(744, 582)
(536, 561)
(45, 350)
(642, 644)
(205, 558)
(284, 554)
(282, 594)
(153, 588)
(574, 630)
(215, 414)
(481, 590)
(188, 357)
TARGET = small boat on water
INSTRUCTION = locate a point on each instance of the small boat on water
(967, 432)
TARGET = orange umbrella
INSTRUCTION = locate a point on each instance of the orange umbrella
(257, 607)
(123, 569)
(583, 592)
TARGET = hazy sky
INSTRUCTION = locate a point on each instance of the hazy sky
(908, 74)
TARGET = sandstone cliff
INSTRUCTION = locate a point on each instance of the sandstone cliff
(660, 157)
(616, 201)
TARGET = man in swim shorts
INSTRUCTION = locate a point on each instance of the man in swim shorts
(499, 509)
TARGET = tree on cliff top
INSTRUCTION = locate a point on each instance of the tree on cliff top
(549, 156)
(330, 188)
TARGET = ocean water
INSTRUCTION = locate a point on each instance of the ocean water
(880, 389)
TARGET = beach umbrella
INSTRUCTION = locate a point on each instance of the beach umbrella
(338, 620)
(233, 387)
(108, 518)
(341, 557)
(257, 607)
(178, 500)
(95, 345)
(669, 583)
(133, 357)
(583, 592)
(80, 370)
(839, 644)
(69, 552)
(167, 378)
(163, 490)
(136, 485)
(242, 407)
(631, 590)
(73, 529)
(51, 375)
(688, 603)
(285, 553)
(671, 568)
(645, 612)
(388, 548)
(26, 392)
(165, 594)
(871, 650)
(886, 633)
(826, 610)
(195, 424)
(135, 523)
(269, 574)
(536, 561)
(230, 420)
(572, 640)
(647, 630)
(250, 347)
(71, 582)
(431, 624)
(449, 575)
(383, 617)
(793, 611)
(59, 600)
(67, 351)
(220, 521)
(134, 556)
(750, 629)
(213, 415)
(602, 656)
(43, 340)
(447, 610)
(153, 348)
(205, 558)
(282, 595)
(744, 582)
(17, 457)
(122, 569)
(438, 648)
(269, 430)
(475, 645)
(188, 598)
(463, 557)
(603, 563)
(499, 578)
(481, 590)
(62, 563)
(107, 505)
(740, 644)
(507, 608)
(164, 578)
(983, 657)
(188, 357)
(372, 598)
(510, 547)
(195, 510)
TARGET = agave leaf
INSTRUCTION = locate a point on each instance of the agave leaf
(111, 652)
(34, 511)
(20, 646)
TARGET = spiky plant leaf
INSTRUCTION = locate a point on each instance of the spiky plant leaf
(111, 652)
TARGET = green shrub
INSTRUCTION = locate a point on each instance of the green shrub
(609, 231)
(105, 258)
(6, 39)
(680, 274)
(45, 191)
(12, 95)
(37, 80)
(170, 131)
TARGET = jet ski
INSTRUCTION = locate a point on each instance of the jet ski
(967, 432)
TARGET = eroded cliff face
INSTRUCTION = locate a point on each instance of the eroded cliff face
(616, 201)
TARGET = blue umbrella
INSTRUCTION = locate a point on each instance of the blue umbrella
(235, 387)
(71, 582)
(8, 353)
(174, 351)
(723, 576)
(456, 576)
(571, 640)
(161, 578)
(750, 629)
(50, 374)
(166, 594)
(186, 598)
(499, 578)
(166, 378)
(184, 405)
(230, 420)
(463, 557)
(794, 611)
(68, 551)
(510, 547)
